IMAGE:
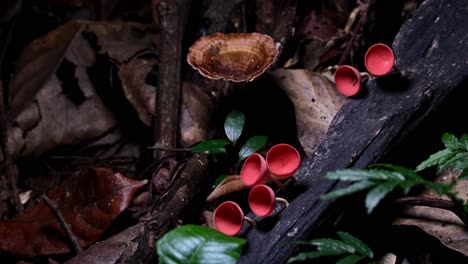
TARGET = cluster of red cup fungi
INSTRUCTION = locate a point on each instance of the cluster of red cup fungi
(379, 60)
(281, 162)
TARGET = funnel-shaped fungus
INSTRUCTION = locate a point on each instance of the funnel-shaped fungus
(348, 80)
(283, 160)
(379, 59)
(254, 171)
(229, 218)
(262, 200)
(236, 57)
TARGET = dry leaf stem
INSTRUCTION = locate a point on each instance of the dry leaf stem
(453, 206)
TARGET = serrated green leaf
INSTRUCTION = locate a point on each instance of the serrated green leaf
(353, 188)
(213, 146)
(192, 244)
(433, 159)
(310, 255)
(351, 259)
(332, 245)
(375, 195)
(408, 173)
(464, 142)
(233, 125)
(252, 145)
(360, 175)
(440, 188)
(452, 161)
(353, 241)
(450, 141)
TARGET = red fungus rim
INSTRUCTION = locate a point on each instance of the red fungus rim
(262, 200)
(379, 59)
(228, 218)
(254, 171)
(283, 160)
(347, 80)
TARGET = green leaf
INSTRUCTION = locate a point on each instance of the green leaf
(332, 245)
(408, 173)
(351, 259)
(220, 179)
(353, 241)
(213, 146)
(464, 142)
(251, 145)
(353, 188)
(233, 125)
(452, 161)
(450, 141)
(433, 159)
(192, 244)
(359, 175)
(375, 195)
(310, 255)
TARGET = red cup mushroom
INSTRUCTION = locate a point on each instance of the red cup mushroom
(283, 160)
(228, 218)
(262, 200)
(348, 80)
(379, 59)
(254, 171)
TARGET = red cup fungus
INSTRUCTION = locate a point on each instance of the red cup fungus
(262, 200)
(348, 80)
(228, 218)
(379, 59)
(254, 171)
(283, 160)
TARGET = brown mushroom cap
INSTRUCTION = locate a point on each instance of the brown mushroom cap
(236, 57)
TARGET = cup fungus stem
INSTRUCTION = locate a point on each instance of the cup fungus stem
(249, 221)
(282, 200)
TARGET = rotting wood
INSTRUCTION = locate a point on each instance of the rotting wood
(172, 15)
(428, 52)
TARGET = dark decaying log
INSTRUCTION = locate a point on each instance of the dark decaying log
(430, 51)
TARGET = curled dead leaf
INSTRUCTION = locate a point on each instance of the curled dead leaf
(228, 185)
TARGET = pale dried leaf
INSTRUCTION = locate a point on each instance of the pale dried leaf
(316, 101)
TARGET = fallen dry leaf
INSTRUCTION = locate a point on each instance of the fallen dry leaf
(442, 224)
(88, 201)
(195, 114)
(316, 101)
(228, 185)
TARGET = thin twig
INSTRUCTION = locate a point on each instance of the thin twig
(171, 149)
(63, 223)
(362, 21)
(435, 203)
(11, 170)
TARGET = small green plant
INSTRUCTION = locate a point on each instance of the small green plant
(233, 126)
(350, 249)
(455, 155)
(193, 244)
(382, 179)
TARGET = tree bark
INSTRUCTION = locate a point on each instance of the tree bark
(430, 51)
